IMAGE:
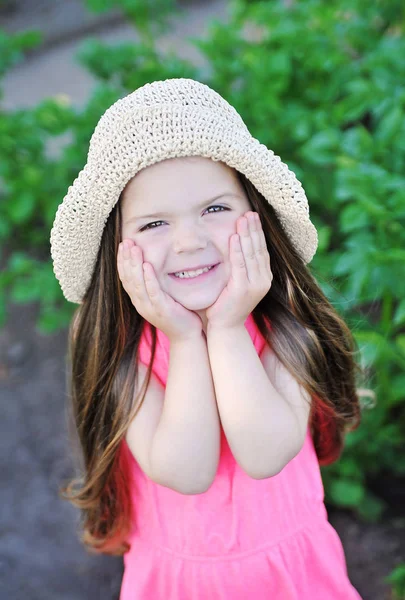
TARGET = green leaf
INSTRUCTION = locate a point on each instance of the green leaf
(350, 468)
(353, 217)
(397, 390)
(400, 342)
(360, 96)
(20, 208)
(54, 114)
(99, 6)
(322, 147)
(389, 126)
(346, 492)
(23, 291)
(392, 255)
(399, 317)
(371, 508)
(30, 38)
(358, 143)
(5, 229)
(397, 579)
(19, 263)
(324, 235)
(357, 282)
(49, 320)
(349, 262)
(372, 345)
(55, 317)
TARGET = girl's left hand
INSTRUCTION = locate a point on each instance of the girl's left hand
(251, 275)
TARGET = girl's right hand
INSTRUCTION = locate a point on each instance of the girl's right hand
(155, 305)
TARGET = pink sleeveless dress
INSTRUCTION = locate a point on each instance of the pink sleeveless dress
(267, 539)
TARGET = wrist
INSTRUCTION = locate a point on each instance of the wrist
(191, 337)
(224, 329)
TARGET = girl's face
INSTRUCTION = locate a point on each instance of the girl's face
(167, 211)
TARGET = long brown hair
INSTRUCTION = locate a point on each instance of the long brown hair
(307, 335)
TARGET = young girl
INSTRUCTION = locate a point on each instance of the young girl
(210, 376)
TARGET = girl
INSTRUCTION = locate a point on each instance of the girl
(210, 376)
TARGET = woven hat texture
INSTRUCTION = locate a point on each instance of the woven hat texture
(160, 120)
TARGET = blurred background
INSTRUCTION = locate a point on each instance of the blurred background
(321, 84)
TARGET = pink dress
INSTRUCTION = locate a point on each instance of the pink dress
(267, 539)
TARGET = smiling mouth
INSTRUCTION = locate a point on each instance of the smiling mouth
(196, 277)
(187, 270)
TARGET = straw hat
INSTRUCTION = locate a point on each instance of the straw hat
(161, 120)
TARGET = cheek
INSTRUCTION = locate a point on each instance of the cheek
(147, 251)
(224, 243)
(154, 253)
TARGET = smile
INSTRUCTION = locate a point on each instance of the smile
(195, 278)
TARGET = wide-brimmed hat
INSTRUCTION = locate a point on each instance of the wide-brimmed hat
(161, 120)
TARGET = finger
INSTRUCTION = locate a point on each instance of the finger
(123, 252)
(249, 246)
(132, 278)
(122, 261)
(151, 283)
(137, 275)
(263, 256)
(239, 273)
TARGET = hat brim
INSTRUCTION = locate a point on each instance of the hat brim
(136, 144)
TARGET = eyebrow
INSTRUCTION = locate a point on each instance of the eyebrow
(166, 214)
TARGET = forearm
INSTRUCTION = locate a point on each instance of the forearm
(258, 423)
(186, 445)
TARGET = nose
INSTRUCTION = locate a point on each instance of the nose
(189, 238)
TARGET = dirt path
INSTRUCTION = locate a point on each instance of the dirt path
(55, 71)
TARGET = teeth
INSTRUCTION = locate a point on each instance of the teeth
(189, 274)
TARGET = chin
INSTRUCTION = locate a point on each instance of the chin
(194, 299)
(198, 305)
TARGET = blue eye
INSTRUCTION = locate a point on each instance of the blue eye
(149, 225)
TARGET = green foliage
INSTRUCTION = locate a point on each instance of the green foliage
(12, 48)
(318, 82)
(150, 18)
(397, 579)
